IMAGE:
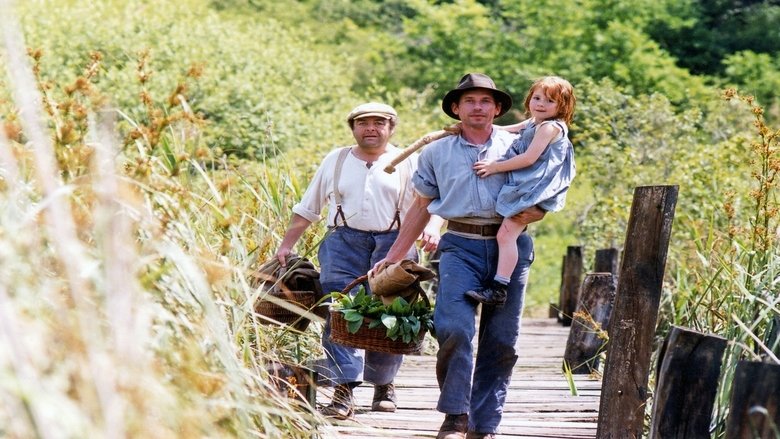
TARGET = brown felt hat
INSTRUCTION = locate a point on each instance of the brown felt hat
(469, 82)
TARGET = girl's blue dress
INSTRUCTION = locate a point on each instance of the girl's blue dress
(545, 182)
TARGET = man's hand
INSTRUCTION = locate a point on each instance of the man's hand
(282, 254)
(379, 266)
(455, 129)
(431, 234)
(530, 215)
(429, 241)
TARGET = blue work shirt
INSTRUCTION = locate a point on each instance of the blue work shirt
(445, 174)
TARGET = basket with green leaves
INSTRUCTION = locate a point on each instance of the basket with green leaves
(363, 321)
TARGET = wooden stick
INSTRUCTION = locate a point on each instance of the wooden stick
(419, 143)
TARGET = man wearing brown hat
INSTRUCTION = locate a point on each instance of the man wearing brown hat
(365, 210)
(447, 186)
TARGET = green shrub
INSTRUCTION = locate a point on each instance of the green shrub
(249, 68)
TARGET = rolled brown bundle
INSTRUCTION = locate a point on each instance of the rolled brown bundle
(402, 279)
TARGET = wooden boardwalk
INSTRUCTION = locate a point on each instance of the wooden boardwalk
(539, 402)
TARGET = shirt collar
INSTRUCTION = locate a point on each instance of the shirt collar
(487, 144)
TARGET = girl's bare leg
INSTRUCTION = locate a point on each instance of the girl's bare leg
(510, 230)
(496, 291)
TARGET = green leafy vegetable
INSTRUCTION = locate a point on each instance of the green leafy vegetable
(401, 319)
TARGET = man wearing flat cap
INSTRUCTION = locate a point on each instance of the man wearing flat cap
(365, 208)
(447, 186)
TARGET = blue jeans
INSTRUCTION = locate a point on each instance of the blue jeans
(467, 264)
(344, 255)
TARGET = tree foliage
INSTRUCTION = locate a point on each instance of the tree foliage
(709, 31)
(248, 64)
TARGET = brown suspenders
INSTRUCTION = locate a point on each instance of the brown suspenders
(404, 175)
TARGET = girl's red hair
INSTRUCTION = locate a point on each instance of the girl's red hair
(557, 89)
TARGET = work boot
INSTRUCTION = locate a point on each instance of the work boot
(454, 427)
(495, 294)
(342, 405)
(473, 435)
(384, 398)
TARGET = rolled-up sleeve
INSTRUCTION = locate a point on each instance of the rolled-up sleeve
(424, 180)
(314, 199)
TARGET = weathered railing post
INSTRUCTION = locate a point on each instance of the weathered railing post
(606, 261)
(773, 337)
(755, 397)
(553, 311)
(632, 324)
(572, 277)
(687, 382)
(561, 297)
(595, 306)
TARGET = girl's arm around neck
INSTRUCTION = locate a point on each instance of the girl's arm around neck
(515, 127)
(543, 136)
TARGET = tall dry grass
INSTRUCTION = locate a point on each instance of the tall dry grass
(730, 285)
(124, 250)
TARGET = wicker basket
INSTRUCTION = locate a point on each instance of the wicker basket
(302, 299)
(371, 339)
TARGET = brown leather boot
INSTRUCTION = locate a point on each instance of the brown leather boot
(342, 405)
(454, 427)
(384, 398)
(474, 435)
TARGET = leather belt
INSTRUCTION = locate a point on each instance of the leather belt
(474, 229)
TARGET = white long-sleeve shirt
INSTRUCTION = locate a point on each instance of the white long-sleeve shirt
(369, 195)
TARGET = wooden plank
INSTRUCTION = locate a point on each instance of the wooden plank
(632, 325)
(539, 403)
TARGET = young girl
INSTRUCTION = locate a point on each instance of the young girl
(542, 163)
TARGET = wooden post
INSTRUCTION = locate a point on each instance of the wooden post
(585, 343)
(606, 261)
(561, 297)
(553, 311)
(572, 277)
(687, 382)
(755, 397)
(772, 338)
(632, 324)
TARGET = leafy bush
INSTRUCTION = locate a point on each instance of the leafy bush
(248, 68)
(756, 74)
(642, 140)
